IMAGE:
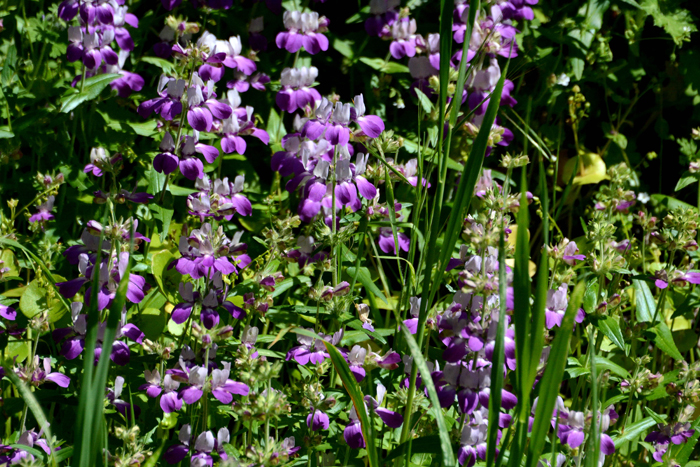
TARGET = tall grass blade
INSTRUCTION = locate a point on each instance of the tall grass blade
(419, 362)
(498, 358)
(553, 374)
(593, 451)
(523, 326)
(355, 393)
(467, 182)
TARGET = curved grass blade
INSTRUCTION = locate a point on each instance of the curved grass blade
(551, 381)
(33, 405)
(498, 356)
(418, 361)
(355, 393)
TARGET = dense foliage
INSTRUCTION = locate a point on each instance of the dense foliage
(326, 233)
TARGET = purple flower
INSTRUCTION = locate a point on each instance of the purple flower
(404, 37)
(677, 433)
(353, 431)
(223, 54)
(356, 360)
(202, 106)
(197, 378)
(572, 427)
(206, 252)
(43, 213)
(122, 406)
(39, 371)
(297, 91)
(256, 40)
(170, 400)
(317, 420)
(239, 124)
(569, 254)
(8, 312)
(169, 104)
(204, 446)
(389, 417)
(384, 14)
(222, 387)
(128, 82)
(303, 30)
(371, 125)
(243, 82)
(101, 162)
(312, 350)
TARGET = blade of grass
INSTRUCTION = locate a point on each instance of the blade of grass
(498, 358)
(551, 381)
(593, 450)
(523, 326)
(355, 393)
(419, 362)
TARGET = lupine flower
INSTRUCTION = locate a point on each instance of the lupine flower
(312, 350)
(128, 82)
(197, 378)
(297, 91)
(384, 14)
(222, 386)
(39, 372)
(303, 255)
(243, 82)
(303, 30)
(317, 420)
(101, 162)
(206, 252)
(239, 124)
(204, 446)
(356, 361)
(202, 105)
(353, 430)
(403, 33)
(28, 438)
(572, 427)
(43, 213)
(569, 254)
(8, 312)
(169, 104)
(255, 38)
(677, 434)
(170, 400)
(122, 406)
(223, 54)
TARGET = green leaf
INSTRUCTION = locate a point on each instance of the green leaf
(180, 191)
(590, 297)
(167, 66)
(384, 66)
(657, 418)
(167, 279)
(424, 445)
(92, 88)
(634, 431)
(165, 216)
(686, 179)
(603, 363)
(33, 300)
(670, 203)
(551, 381)
(363, 275)
(151, 322)
(646, 306)
(355, 393)
(6, 134)
(611, 328)
(443, 430)
(424, 101)
(344, 47)
(676, 21)
(664, 340)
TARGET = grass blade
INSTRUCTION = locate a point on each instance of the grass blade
(498, 358)
(553, 374)
(355, 393)
(419, 362)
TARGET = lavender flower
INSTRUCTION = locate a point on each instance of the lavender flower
(303, 30)
(43, 213)
(312, 350)
(170, 400)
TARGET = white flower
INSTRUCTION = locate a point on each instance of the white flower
(563, 80)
